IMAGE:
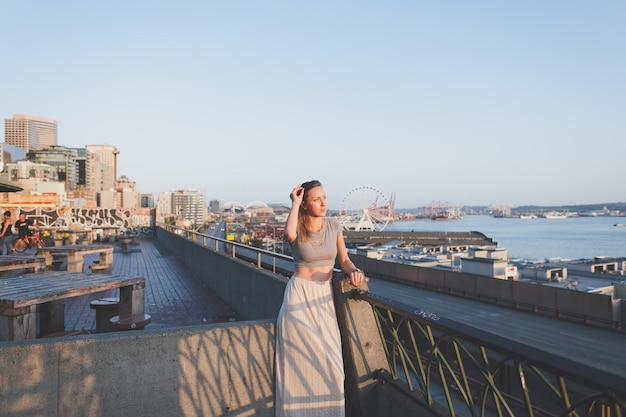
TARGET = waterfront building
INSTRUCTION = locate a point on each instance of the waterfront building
(30, 132)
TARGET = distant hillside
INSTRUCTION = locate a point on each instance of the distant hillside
(619, 206)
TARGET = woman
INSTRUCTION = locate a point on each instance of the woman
(309, 362)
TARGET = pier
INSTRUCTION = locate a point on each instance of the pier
(427, 239)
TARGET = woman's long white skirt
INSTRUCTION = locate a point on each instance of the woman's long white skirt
(309, 362)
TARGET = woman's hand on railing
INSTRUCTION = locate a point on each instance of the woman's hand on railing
(356, 277)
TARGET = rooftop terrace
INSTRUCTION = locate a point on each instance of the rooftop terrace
(179, 365)
(175, 296)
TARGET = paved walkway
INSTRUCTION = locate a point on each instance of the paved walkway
(174, 296)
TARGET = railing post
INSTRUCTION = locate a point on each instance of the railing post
(363, 350)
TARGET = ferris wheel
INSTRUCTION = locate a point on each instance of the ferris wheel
(365, 209)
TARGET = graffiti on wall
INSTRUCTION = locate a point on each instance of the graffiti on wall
(129, 221)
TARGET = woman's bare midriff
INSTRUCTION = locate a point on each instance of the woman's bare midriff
(318, 274)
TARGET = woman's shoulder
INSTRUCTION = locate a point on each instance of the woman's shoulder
(333, 223)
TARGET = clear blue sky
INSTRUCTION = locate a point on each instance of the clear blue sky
(468, 102)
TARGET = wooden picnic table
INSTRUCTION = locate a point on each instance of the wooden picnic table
(14, 262)
(21, 297)
(76, 254)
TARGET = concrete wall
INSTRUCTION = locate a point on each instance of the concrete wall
(598, 309)
(212, 370)
(253, 293)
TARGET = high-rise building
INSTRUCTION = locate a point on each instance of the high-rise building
(127, 190)
(146, 201)
(215, 206)
(164, 206)
(107, 157)
(10, 153)
(63, 159)
(30, 132)
(185, 205)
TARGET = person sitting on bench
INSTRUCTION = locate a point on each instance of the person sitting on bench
(24, 232)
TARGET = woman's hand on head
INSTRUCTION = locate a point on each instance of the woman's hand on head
(297, 194)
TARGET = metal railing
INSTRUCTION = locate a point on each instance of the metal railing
(458, 370)
(262, 258)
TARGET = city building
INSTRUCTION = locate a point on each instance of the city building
(127, 191)
(30, 132)
(106, 176)
(88, 176)
(185, 206)
(108, 199)
(164, 206)
(10, 153)
(64, 161)
(146, 200)
(24, 171)
(215, 206)
(88, 165)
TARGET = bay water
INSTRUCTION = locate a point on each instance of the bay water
(540, 238)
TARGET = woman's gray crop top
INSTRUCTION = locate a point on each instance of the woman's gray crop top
(317, 252)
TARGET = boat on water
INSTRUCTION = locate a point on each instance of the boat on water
(443, 218)
(446, 215)
(527, 216)
(554, 215)
(619, 225)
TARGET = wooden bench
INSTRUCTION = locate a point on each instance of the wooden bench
(30, 263)
(76, 254)
(96, 268)
(134, 322)
(25, 298)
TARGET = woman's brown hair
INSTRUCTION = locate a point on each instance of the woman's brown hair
(303, 216)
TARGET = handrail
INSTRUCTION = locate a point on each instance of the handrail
(516, 304)
(443, 363)
(264, 259)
